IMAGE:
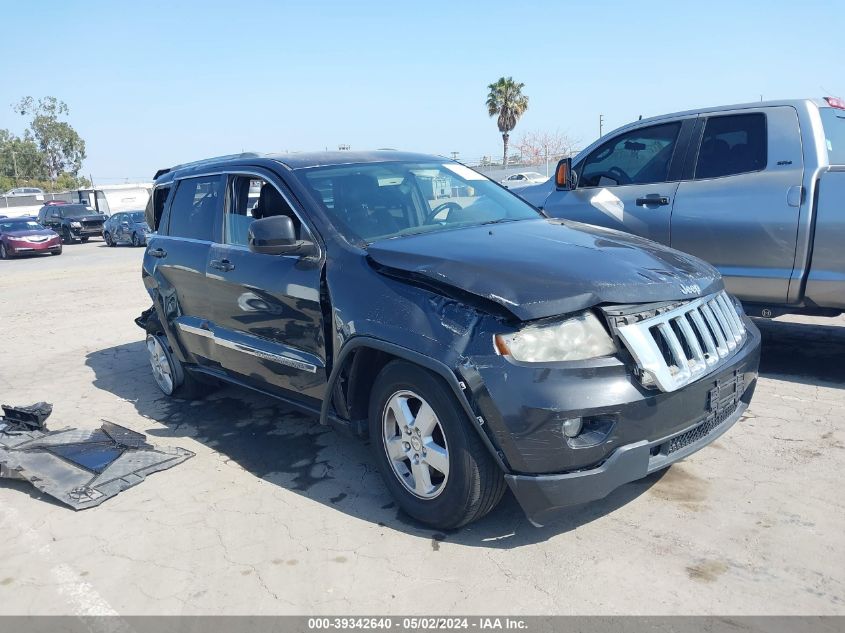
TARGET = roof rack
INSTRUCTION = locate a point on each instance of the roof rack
(205, 161)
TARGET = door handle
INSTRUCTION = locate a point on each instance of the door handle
(653, 199)
(222, 264)
(158, 252)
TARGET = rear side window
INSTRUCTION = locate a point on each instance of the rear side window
(638, 157)
(196, 207)
(834, 131)
(734, 144)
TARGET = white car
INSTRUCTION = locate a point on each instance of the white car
(523, 179)
(19, 192)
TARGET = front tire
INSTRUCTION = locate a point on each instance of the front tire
(83, 239)
(4, 254)
(431, 459)
(135, 241)
(108, 239)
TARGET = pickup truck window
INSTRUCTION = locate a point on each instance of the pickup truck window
(638, 157)
(833, 120)
(734, 144)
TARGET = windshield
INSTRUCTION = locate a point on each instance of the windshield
(833, 120)
(19, 225)
(371, 201)
(137, 217)
(77, 211)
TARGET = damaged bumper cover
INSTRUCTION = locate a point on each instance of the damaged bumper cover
(544, 497)
(629, 431)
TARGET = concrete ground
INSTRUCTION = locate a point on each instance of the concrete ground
(278, 515)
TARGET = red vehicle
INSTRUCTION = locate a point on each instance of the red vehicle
(24, 236)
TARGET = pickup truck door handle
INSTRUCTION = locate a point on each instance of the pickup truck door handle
(222, 264)
(653, 199)
(158, 252)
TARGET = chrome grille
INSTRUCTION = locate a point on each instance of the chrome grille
(676, 347)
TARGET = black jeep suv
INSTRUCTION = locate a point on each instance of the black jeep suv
(72, 221)
(477, 342)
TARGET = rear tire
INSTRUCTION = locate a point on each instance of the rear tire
(168, 371)
(412, 464)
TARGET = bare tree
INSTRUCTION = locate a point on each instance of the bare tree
(538, 147)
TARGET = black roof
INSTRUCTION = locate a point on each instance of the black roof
(305, 159)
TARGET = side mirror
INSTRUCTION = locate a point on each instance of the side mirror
(564, 176)
(276, 235)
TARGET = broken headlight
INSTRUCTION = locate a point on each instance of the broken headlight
(577, 338)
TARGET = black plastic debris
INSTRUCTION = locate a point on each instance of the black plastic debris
(31, 417)
(79, 467)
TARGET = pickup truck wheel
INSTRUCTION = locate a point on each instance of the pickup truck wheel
(431, 460)
(168, 372)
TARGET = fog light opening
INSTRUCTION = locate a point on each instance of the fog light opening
(572, 427)
(592, 431)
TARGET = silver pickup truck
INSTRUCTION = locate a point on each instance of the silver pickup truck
(758, 190)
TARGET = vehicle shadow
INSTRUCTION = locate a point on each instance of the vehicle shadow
(806, 353)
(290, 449)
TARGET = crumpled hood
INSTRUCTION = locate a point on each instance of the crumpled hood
(541, 268)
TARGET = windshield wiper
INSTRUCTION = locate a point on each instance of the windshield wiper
(500, 221)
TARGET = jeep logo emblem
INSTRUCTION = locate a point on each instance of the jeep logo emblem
(692, 289)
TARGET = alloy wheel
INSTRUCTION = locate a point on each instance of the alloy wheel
(415, 444)
(160, 363)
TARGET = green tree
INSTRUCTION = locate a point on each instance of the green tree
(506, 101)
(62, 149)
(21, 162)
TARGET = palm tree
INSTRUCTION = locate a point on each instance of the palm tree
(506, 101)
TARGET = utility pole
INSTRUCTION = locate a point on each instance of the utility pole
(601, 124)
(15, 163)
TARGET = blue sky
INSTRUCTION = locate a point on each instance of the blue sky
(151, 84)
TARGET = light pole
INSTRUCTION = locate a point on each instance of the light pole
(601, 124)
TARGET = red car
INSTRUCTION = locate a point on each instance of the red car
(24, 236)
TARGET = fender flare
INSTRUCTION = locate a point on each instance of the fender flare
(435, 366)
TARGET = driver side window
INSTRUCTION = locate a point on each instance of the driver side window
(637, 157)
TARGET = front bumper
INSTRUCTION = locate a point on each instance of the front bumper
(87, 231)
(544, 497)
(24, 248)
(644, 429)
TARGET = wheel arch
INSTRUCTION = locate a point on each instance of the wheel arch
(351, 363)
